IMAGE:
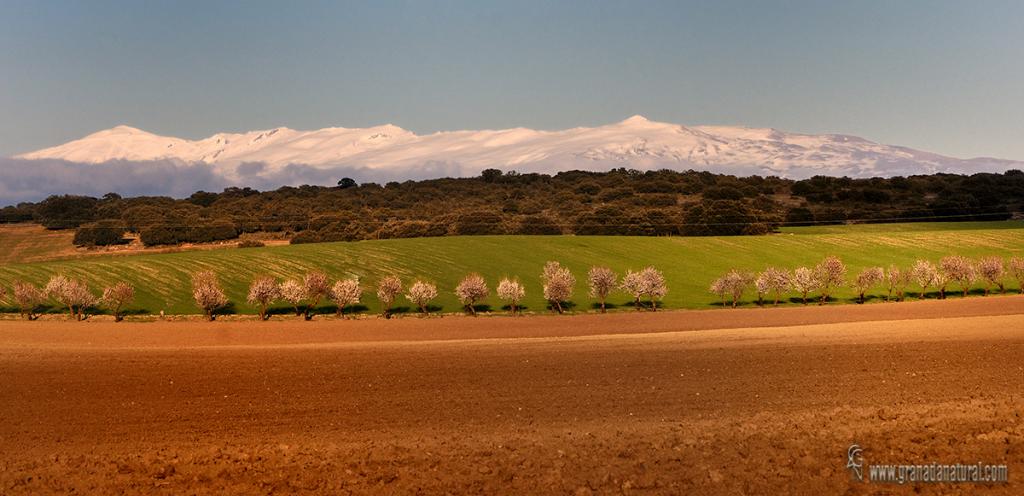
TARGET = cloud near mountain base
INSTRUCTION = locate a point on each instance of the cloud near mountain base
(24, 180)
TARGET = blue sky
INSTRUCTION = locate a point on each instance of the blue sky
(936, 75)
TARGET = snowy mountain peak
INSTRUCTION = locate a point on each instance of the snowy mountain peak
(636, 119)
(636, 142)
(120, 130)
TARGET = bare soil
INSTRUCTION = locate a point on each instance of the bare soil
(759, 401)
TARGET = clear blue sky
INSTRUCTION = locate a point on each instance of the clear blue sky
(943, 76)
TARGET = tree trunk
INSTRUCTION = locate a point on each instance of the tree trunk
(654, 305)
(558, 306)
(602, 305)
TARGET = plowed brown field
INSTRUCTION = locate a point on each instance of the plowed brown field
(762, 401)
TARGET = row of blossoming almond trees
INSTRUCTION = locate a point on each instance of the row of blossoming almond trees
(830, 274)
(558, 284)
(305, 295)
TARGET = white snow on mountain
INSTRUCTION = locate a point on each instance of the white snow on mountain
(632, 143)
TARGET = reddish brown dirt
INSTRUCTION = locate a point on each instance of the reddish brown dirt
(591, 404)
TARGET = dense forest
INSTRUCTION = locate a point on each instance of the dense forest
(618, 202)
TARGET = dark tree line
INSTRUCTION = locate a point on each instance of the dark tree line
(618, 202)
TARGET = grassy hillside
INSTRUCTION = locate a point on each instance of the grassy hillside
(32, 242)
(689, 263)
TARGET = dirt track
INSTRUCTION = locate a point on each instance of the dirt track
(603, 404)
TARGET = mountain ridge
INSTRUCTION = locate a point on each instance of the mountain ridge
(635, 142)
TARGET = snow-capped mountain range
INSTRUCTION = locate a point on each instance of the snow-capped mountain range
(636, 143)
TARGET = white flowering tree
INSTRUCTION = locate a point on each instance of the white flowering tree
(388, 288)
(805, 282)
(345, 293)
(294, 293)
(942, 281)
(317, 287)
(992, 272)
(654, 286)
(896, 282)
(118, 296)
(28, 297)
(959, 270)
(736, 284)
(718, 287)
(867, 280)
(471, 290)
(633, 284)
(558, 285)
(1016, 268)
(831, 274)
(263, 292)
(602, 282)
(925, 275)
(774, 281)
(207, 293)
(512, 292)
(71, 293)
(420, 294)
(761, 288)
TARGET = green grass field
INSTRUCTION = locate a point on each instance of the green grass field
(689, 263)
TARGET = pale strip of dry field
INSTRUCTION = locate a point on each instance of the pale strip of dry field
(758, 402)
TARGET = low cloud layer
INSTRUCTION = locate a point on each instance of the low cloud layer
(33, 180)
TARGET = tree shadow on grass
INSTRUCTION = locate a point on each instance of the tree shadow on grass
(567, 306)
(356, 309)
(281, 311)
(400, 310)
(229, 309)
(519, 308)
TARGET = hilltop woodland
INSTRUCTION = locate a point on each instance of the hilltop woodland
(618, 202)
